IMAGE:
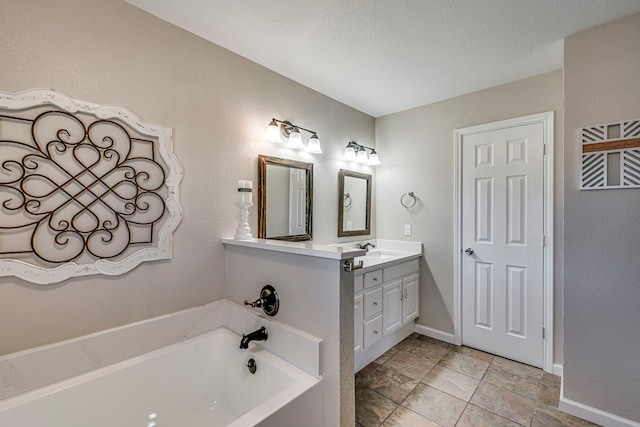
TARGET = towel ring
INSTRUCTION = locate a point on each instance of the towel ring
(408, 204)
(347, 200)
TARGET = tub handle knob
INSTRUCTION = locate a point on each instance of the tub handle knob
(269, 301)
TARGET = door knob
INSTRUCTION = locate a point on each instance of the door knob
(468, 251)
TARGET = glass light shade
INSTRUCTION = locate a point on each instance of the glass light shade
(314, 144)
(373, 158)
(361, 157)
(273, 133)
(349, 154)
(295, 139)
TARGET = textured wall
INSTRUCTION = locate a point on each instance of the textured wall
(601, 285)
(218, 104)
(419, 155)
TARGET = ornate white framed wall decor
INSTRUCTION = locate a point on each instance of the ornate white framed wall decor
(84, 188)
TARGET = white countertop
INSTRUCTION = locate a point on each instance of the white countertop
(385, 253)
(300, 248)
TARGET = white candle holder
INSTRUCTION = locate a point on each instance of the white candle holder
(243, 231)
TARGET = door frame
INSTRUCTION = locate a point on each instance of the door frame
(547, 120)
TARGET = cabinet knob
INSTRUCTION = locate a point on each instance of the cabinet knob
(375, 332)
(375, 303)
(375, 279)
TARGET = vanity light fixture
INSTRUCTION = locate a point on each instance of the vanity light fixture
(355, 152)
(279, 130)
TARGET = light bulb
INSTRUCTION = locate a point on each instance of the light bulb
(349, 154)
(273, 132)
(314, 144)
(361, 157)
(373, 158)
(295, 139)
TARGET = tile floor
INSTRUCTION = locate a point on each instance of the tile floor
(423, 382)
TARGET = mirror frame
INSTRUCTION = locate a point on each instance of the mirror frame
(263, 161)
(341, 176)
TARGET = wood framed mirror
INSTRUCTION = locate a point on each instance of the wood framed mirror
(285, 199)
(354, 203)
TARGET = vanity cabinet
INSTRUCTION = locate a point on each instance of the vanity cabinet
(385, 301)
(400, 302)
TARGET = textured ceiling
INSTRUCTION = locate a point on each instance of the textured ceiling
(384, 56)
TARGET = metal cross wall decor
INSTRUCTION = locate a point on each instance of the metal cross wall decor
(610, 156)
(84, 188)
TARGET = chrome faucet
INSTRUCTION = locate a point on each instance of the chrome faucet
(366, 246)
(259, 335)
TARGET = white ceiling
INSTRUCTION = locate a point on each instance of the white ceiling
(384, 56)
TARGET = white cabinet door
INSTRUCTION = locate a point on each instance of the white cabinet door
(392, 303)
(357, 324)
(410, 310)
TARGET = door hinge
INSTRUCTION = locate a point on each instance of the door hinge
(543, 334)
(543, 241)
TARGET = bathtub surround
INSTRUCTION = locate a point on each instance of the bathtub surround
(316, 296)
(41, 366)
(217, 104)
(194, 390)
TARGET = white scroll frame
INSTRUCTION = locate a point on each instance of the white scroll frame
(173, 174)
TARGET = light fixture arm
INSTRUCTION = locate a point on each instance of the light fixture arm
(286, 126)
(355, 144)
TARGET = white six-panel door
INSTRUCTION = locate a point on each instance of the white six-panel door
(502, 239)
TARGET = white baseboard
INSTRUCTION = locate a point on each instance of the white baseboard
(434, 333)
(594, 415)
(557, 369)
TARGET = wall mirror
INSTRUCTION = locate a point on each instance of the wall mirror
(285, 194)
(354, 204)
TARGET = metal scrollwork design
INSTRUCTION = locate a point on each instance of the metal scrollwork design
(84, 188)
(80, 190)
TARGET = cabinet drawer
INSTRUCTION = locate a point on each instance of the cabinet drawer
(400, 270)
(372, 302)
(372, 278)
(358, 283)
(372, 330)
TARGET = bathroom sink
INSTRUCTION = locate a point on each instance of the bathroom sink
(378, 254)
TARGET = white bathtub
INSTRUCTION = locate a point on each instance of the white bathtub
(202, 381)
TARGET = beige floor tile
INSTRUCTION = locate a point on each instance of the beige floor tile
(465, 364)
(403, 417)
(390, 383)
(365, 371)
(549, 393)
(517, 368)
(521, 383)
(452, 382)
(505, 403)
(547, 416)
(386, 356)
(410, 365)
(477, 354)
(435, 405)
(372, 408)
(474, 416)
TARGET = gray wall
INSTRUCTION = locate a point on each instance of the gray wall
(417, 151)
(602, 232)
(218, 104)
